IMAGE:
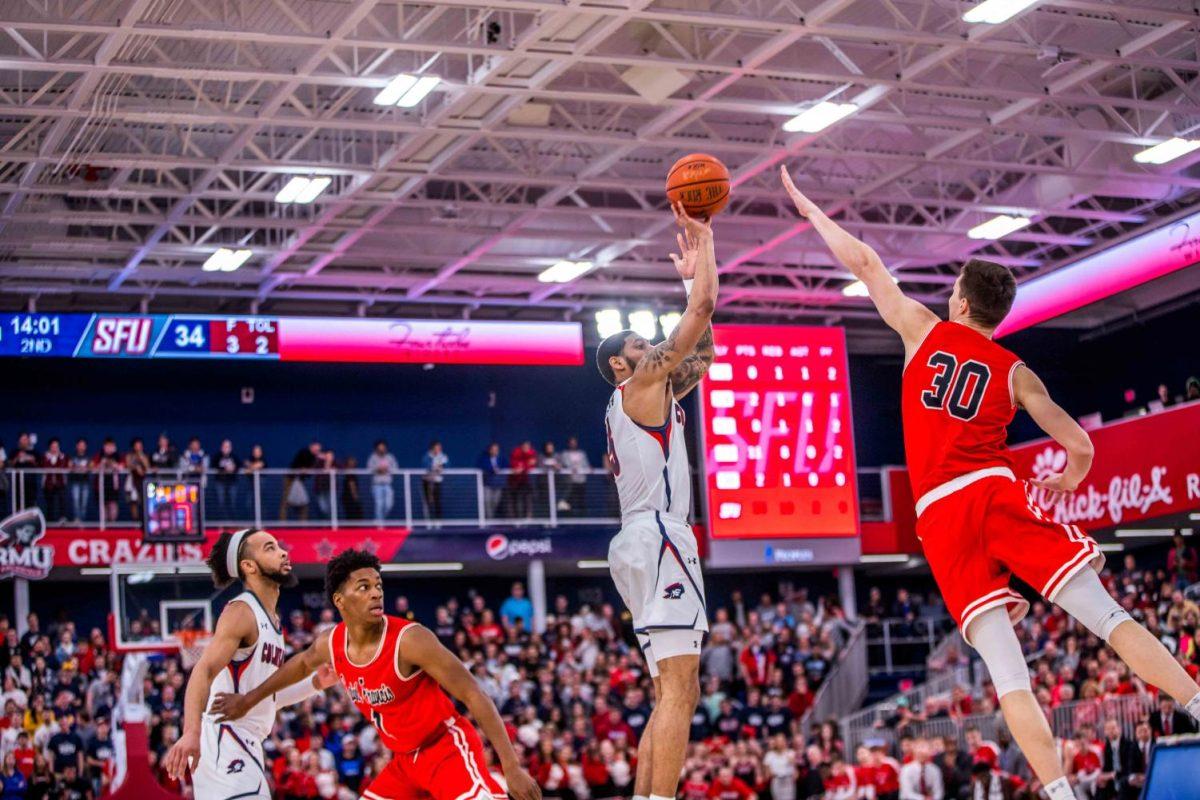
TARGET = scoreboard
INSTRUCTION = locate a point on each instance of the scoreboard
(290, 339)
(779, 446)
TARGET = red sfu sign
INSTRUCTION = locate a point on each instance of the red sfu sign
(1145, 467)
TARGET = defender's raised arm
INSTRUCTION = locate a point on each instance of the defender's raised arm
(904, 315)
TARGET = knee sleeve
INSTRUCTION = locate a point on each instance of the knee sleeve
(993, 636)
(1086, 599)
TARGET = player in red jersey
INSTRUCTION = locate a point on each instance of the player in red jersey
(960, 392)
(398, 674)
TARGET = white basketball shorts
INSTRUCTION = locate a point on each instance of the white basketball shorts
(231, 764)
(656, 566)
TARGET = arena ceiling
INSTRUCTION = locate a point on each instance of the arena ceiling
(137, 136)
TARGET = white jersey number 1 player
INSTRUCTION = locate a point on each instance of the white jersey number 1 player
(226, 759)
(654, 560)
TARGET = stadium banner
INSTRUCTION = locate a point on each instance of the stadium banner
(314, 339)
(1145, 467)
(92, 547)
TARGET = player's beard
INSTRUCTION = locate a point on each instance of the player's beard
(286, 580)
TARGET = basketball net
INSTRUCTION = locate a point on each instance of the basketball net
(191, 646)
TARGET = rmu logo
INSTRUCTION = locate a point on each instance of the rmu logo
(673, 592)
(117, 335)
(272, 654)
(20, 554)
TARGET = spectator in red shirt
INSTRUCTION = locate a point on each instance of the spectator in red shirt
(54, 483)
(756, 662)
(488, 630)
(25, 754)
(695, 787)
(840, 785)
(982, 749)
(801, 698)
(1085, 764)
(729, 787)
(521, 461)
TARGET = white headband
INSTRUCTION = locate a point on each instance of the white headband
(231, 555)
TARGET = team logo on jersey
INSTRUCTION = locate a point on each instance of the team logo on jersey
(359, 693)
(673, 592)
(20, 554)
(235, 766)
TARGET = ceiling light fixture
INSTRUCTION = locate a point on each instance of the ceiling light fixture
(226, 260)
(668, 321)
(993, 12)
(1166, 151)
(406, 90)
(998, 227)
(564, 271)
(608, 322)
(819, 117)
(643, 323)
(302, 190)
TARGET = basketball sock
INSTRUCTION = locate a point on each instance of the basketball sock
(1193, 706)
(660, 797)
(640, 797)
(1059, 790)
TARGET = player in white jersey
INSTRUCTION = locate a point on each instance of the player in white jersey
(226, 759)
(654, 560)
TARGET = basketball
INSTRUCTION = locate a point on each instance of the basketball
(700, 182)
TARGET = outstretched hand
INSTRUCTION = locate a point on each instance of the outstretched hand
(805, 206)
(696, 233)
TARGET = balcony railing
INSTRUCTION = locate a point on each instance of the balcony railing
(323, 498)
(331, 498)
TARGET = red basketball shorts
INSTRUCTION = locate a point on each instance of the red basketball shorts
(452, 767)
(980, 529)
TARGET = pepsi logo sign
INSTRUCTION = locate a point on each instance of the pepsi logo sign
(497, 546)
(500, 547)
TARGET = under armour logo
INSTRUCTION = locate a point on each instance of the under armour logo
(235, 766)
(673, 592)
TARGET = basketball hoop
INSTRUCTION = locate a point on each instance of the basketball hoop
(191, 646)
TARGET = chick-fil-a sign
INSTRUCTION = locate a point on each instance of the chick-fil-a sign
(1145, 467)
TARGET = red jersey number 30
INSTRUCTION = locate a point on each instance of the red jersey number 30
(958, 389)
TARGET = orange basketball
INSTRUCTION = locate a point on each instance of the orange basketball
(700, 182)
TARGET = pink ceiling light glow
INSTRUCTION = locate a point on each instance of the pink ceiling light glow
(1129, 264)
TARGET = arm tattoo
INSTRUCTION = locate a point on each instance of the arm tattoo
(689, 372)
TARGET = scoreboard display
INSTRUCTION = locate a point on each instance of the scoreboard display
(291, 339)
(174, 510)
(778, 436)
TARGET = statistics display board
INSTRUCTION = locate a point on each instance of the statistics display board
(325, 339)
(778, 437)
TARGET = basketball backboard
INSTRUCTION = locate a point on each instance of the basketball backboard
(153, 605)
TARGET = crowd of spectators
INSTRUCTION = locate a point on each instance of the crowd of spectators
(1090, 695)
(69, 483)
(576, 699)
(59, 692)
